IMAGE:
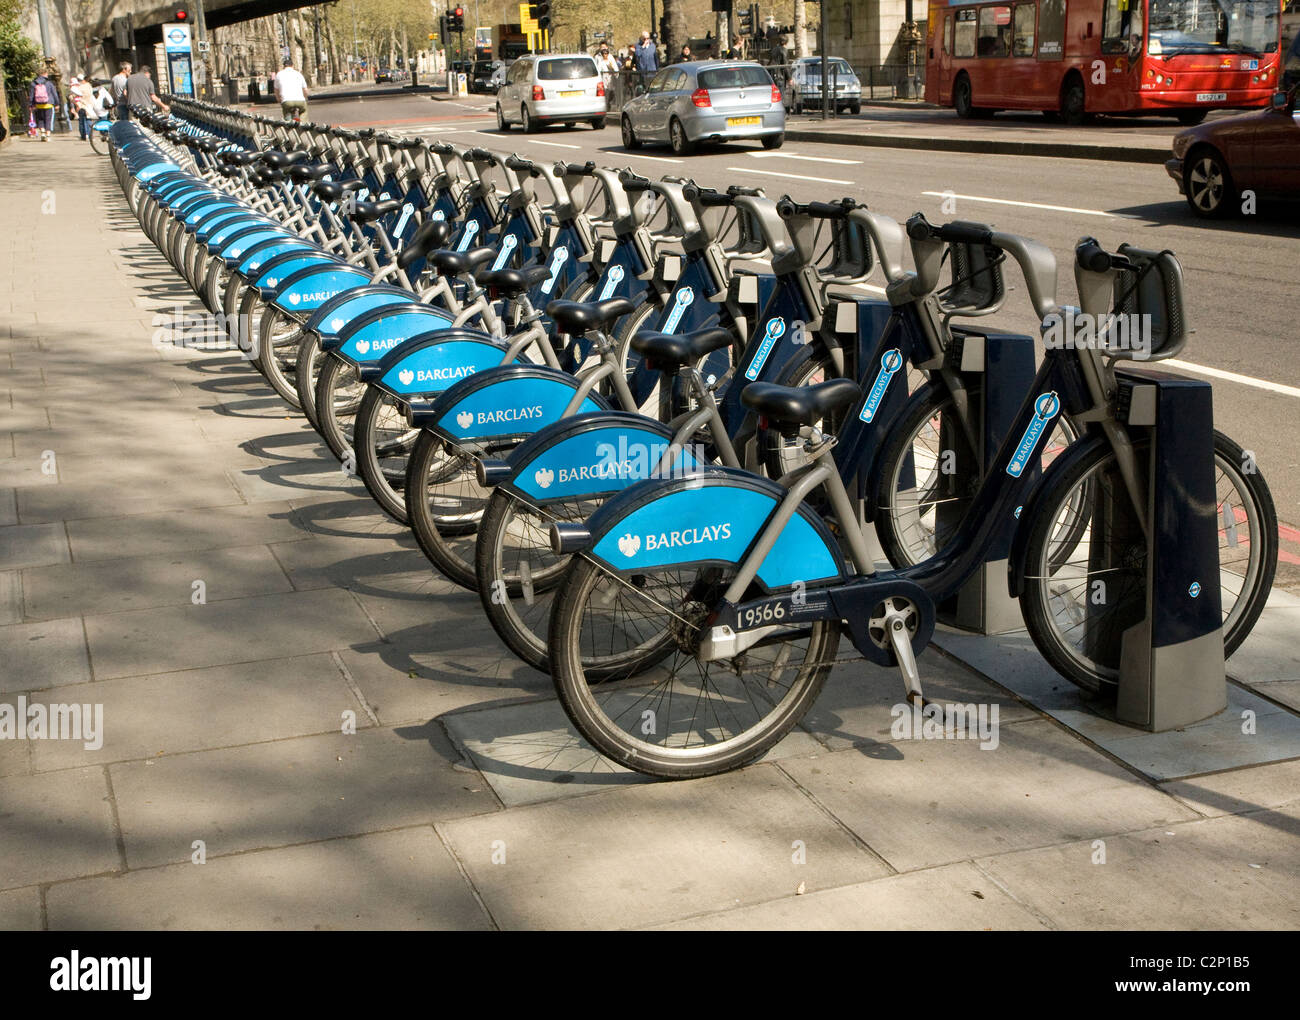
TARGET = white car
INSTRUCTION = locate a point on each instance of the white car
(551, 88)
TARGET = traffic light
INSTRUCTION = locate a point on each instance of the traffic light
(456, 20)
(443, 32)
(180, 14)
(542, 15)
(746, 21)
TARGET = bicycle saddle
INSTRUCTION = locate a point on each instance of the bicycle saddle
(240, 158)
(456, 263)
(368, 212)
(510, 283)
(332, 191)
(669, 352)
(799, 405)
(576, 317)
(302, 172)
(429, 236)
(280, 160)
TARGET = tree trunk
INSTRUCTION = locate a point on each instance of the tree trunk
(675, 20)
(330, 49)
(800, 28)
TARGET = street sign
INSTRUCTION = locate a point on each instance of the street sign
(176, 38)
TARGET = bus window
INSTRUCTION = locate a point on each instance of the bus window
(964, 44)
(1022, 44)
(947, 33)
(994, 31)
(1115, 26)
(1051, 30)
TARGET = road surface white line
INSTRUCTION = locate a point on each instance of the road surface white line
(1244, 380)
(792, 177)
(653, 159)
(810, 159)
(1026, 205)
(558, 145)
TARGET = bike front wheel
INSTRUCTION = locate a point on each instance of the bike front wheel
(1086, 566)
(624, 663)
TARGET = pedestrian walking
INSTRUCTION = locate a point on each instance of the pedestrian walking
(291, 91)
(42, 97)
(141, 91)
(82, 94)
(118, 86)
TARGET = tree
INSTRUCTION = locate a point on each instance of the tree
(19, 56)
(800, 28)
(675, 20)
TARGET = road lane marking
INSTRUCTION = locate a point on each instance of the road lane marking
(1244, 380)
(1026, 205)
(653, 159)
(558, 145)
(810, 159)
(792, 177)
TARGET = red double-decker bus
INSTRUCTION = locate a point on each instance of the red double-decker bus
(1072, 58)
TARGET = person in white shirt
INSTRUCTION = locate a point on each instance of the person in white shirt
(291, 91)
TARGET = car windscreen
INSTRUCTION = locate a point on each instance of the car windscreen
(745, 76)
(833, 67)
(566, 68)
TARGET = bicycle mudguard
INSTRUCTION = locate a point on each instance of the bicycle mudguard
(590, 456)
(372, 334)
(256, 254)
(1016, 565)
(152, 170)
(202, 211)
(224, 242)
(310, 287)
(223, 217)
(274, 271)
(511, 400)
(711, 518)
(227, 225)
(430, 362)
(338, 313)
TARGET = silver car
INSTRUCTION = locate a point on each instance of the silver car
(804, 90)
(706, 101)
(549, 88)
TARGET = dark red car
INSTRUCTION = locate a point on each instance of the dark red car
(1216, 163)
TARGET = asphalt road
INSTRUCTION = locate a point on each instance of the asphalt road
(1241, 275)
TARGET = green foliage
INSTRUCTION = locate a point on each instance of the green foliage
(19, 56)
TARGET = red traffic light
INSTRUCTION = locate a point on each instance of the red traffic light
(460, 12)
(182, 15)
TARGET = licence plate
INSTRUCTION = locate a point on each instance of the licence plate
(743, 121)
(570, 95)
(1211, 97)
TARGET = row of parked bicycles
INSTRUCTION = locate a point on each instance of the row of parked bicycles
(670, 433)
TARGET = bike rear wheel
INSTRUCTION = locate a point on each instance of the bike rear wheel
(339, 390)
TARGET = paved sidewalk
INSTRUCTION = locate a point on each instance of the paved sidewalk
(176, 547)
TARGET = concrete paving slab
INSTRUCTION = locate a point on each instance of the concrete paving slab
(1208, 746)
(20, 910)
(291, 791)
(1241, 790)
(1271, 653)
(21, 471)
(49, 653)
(1231, 873)
(185, 530)
(531, 753)
(8, 507)
(958, 897)
(929, 802)
(200, 709)
(680, 848)
(33, 545)
(106, 586)
(389, 880)
(68, 502)
(239, 630)
(58, 825)
(11, 597)
(363, 564)
(857, 705)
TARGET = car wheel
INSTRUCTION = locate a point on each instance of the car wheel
(570, 123)
(1207, 184)
(526, 120)
(773, 141)
(629, 136)
(598, 123)
(501, 119)
(855, 109)
(677, 135)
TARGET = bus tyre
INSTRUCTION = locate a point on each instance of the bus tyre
(962, 100)
(1207, 184)
(1190, 118)
(1073, 101)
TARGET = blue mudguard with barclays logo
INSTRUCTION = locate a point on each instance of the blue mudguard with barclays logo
(512, 400)
(309, 288)
(218, 220)
(711, 518)
(250, 256)
(223, 236)
(338, 314)
(431, 362)
(591, 456)
(373, 334)
(271, 272)
(205, 211)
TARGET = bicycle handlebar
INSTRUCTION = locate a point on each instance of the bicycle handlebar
(523, 166)
(481, 155)
(1091, 256)
(787, 208)
(921, 229)
(575, 169)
